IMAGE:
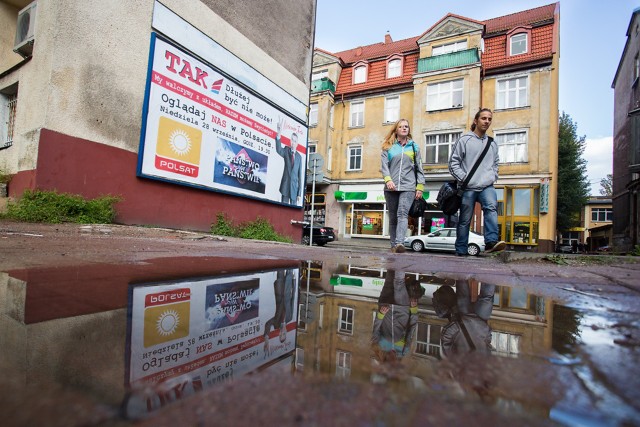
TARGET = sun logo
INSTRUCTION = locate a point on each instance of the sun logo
(168, 322)
(180, 142)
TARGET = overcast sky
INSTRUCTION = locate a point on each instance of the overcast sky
(592, 37)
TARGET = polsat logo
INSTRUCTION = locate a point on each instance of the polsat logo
(166, 316)
(178, 148)
(216, 86)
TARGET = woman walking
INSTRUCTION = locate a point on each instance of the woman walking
(403, 181)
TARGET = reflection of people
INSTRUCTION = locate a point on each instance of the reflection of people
(480, 188)
(283, 288)
(467, 329)
(397, 316)
(400, 186)
(292, 173)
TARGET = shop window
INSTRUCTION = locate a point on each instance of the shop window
(319, 205)
(518, 210)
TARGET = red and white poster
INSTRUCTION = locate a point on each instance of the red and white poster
(202, 128)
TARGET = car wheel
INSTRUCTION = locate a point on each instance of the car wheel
(417, 245)
(473, 249)
(305, 240)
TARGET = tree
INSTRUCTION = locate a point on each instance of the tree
(607, 185)
(573, 184)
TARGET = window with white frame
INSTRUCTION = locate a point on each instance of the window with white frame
(518, 43)
(345, 323)
(438, 147)
(313, 114)
(317, 75)
(512, 92)
(394, 68)
(302, 324)
(443, 95)
(360, 74)
(8, 104)
(354, 158)
(299, 359)
(428, 339)
(449, 47)
(602, 214)
(356, 114)
(636, 69)
(512, 147)
(391, 109)
(505, 344)
(343, 364)
(312, 148)
(331, 116)
(329, 157)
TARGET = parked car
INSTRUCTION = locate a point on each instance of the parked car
(321, 235)
(444, 239)
(564, 249)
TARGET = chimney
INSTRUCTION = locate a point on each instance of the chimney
(359, 51)
(387, 38)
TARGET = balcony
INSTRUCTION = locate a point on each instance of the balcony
(448, 60)
(322, 85)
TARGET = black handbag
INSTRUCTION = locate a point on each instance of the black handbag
(419, 205)
(450, 195)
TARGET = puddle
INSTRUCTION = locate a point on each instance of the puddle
(134, 339)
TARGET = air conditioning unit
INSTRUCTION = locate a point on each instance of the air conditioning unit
(25, 30)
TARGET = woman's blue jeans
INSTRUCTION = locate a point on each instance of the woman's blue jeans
(489, 202)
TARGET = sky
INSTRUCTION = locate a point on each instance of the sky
(592, 38)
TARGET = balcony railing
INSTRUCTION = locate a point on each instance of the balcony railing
(448, 60)
(322, 85)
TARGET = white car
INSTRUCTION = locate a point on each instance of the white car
(444, 239)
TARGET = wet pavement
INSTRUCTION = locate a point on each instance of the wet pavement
(114, 325)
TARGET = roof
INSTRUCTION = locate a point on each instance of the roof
(376, 77)
(378, 50)
(496, 55)
(526, 17)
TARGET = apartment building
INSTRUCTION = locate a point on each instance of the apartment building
(172, 106)
(438, 80)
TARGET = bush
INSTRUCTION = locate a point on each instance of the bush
(260, 229)
(53, 207)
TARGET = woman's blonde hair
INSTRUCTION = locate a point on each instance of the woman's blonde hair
(393, 135)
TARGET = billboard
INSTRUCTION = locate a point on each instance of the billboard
(185, 336)
(204, 129)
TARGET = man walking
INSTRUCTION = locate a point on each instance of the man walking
(480, 188)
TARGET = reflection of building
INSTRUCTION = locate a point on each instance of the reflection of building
(626, 142)
(343, 303)
(70, 110)
(438, 80)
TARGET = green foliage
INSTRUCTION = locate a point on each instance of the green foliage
(5, 177)
(635, 251)
(52, 207)
(606, 185)
(260, 229)
(573, 184)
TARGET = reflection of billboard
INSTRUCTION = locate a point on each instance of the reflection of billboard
(188, 335)
(202, 128)
(436, 224)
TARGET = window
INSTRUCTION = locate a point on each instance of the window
(356, 112)
(311, 148)
(8, 103)
(518, 214)
(319, 75)
(636, 70)
(449, 47)
(394, 68)
(354, 154)
(313, 114)
(443, 95)
(343, 364)
(328, 159)
(302, 317)
(505, 344)
(428, 339)
(360, 74)
(391, 109)
(438, 147)
(331, 116)
(512, 93)
(601, 214)
(345, 324)
(518, 44)
(512, 147)
(299, 359)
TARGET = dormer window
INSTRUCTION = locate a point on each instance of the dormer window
(360, 74)
(519, 41)
(394, 68)
(449, 48)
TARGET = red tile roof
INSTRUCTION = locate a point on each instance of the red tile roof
(378, 50)
(496, 49)
(376, 76)
(526, 17)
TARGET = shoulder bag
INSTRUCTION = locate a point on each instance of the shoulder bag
(450, 195)
(419, 205)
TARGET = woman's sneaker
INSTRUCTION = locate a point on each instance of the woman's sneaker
(495, 246)
(400, 249)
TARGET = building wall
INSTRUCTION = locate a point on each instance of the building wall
(84, 88)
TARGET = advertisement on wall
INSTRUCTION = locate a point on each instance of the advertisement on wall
(201, 128)
(186, 336)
